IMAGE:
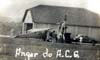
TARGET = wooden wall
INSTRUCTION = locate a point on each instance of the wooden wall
(79, 20)
(89, 31)
(93, 32)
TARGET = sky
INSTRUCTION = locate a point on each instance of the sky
(14, 9)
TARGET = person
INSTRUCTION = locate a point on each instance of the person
(48, 37)
(54, 36)
(44, 36)
(79, 38)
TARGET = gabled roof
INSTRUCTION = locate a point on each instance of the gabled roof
(28, 11)
(47, 17)
(55, 14)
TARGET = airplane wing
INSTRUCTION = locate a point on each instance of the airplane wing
(38, 30)
(6, 36)
(33, 33)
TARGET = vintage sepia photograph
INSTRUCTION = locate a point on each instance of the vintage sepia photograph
(50, 30)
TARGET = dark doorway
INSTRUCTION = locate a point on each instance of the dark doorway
(29, 26)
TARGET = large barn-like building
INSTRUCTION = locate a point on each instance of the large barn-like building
(79, 20)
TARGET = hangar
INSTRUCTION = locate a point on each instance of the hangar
(79, 20)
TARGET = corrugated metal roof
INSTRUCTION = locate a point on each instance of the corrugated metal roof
(55, 14)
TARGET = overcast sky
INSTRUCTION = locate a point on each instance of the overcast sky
(14, 9)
